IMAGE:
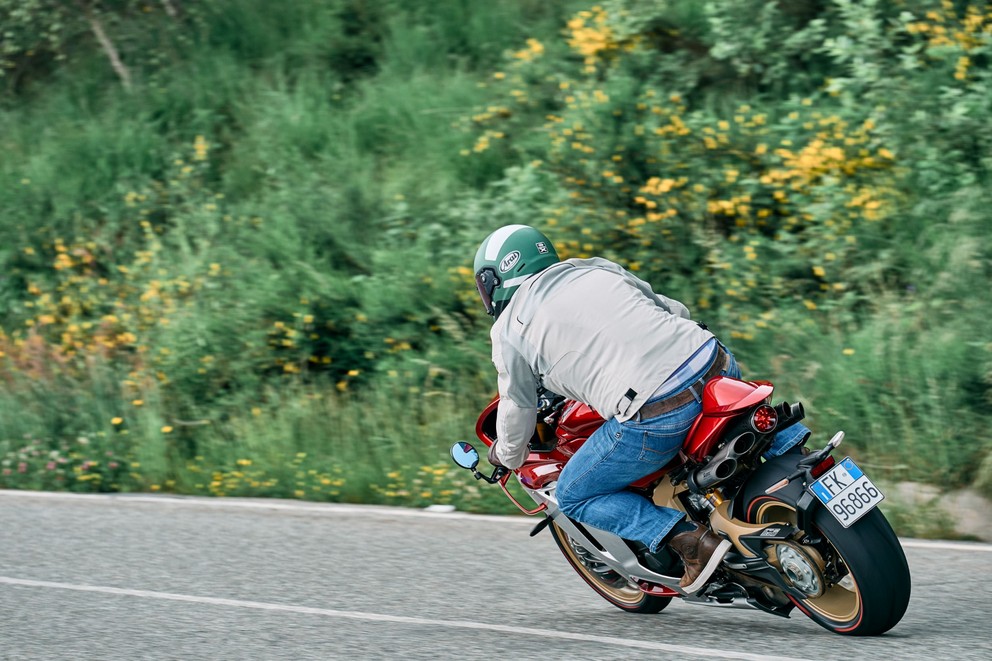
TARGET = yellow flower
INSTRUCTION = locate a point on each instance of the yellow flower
(200, 148)
(138, 402)
(166, 429)
(116, 421)
(848, 352)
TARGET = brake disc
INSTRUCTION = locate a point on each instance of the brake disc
(802, 566)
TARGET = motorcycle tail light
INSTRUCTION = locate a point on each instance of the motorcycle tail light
(764, 419)
(823, 467)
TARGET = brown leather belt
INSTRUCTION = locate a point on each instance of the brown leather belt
(694, 391)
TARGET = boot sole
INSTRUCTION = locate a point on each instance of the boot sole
(711, 566)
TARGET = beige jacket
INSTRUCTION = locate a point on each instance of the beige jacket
(591, 331)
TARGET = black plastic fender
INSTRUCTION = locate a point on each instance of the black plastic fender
(767, 474)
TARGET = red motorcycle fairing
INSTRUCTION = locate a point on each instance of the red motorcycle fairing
(578, 421)
(538, 469)
(723, 398)
(485, 426)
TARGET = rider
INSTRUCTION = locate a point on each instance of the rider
(592, 331)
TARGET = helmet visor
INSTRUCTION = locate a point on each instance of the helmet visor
(486, 280)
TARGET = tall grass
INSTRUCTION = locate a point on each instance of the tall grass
(907, 377)
(898, 392)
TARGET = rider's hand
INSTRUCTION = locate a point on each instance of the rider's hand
(493, 459)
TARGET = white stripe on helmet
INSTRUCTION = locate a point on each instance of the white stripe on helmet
(498, 238)
(515, 282)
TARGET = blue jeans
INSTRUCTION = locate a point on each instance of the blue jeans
(592, 488)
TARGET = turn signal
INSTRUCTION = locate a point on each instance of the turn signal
(764, 419)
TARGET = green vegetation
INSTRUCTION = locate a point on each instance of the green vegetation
(236, 242)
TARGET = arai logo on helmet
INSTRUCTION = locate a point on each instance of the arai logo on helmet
(507, 262)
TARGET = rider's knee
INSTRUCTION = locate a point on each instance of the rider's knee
(568, 503)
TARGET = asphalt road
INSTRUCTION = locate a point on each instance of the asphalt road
(140, 577)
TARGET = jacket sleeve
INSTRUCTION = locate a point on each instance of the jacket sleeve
(516, 418)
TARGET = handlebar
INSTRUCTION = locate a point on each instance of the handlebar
(499, 472)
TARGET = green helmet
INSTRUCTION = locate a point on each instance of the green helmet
(505, 259)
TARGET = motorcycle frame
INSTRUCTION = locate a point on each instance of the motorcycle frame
(724, 402)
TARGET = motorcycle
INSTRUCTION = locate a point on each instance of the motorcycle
(806, 530)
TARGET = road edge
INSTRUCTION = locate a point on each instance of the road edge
(348, 509)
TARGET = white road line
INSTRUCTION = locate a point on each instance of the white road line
(946, 546)
(400, 619)
(380, 511)
(265, 504)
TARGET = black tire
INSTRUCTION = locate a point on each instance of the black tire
(876, 595)
(607, 583)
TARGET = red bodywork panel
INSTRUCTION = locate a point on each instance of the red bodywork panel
(578, 421)
(724, 398)
(538, 469)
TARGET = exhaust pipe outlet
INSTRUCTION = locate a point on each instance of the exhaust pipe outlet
(712, 473)
(724, 463)
(740, 445)
(789, 414)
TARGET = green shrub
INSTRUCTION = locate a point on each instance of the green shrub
(266, 244)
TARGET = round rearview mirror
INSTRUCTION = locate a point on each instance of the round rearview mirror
(465, 455)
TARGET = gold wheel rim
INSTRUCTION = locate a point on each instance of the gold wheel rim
(629, 595)
(837, 603)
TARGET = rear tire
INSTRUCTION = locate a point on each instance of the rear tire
(874, 595)
(607, 583)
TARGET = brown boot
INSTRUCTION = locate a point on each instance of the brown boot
(701, 552)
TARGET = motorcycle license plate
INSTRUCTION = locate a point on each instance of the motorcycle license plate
(847, 492)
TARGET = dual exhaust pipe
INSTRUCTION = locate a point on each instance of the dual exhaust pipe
(724, 463)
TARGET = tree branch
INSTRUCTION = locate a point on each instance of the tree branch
(108, 46)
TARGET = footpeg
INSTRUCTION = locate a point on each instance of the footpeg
(541, 525)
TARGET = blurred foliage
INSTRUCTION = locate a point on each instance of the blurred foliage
(684, 144)
(37, 35)
(289, 202)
